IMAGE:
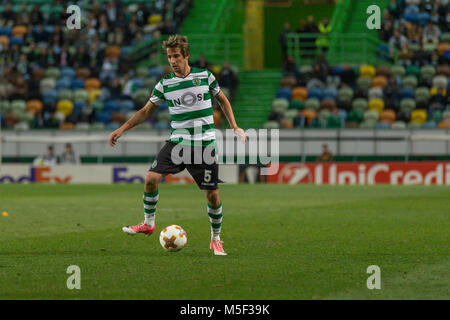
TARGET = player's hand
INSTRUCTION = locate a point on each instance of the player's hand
(241, 134)
(114, 136)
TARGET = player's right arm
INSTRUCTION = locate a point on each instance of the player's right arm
(135, 120)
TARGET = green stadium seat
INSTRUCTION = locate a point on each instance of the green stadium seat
(142, 96)
(427, 72)
(18, 105)
(5, 106)
(65, 94)
(375, 93)
(345, 94)
(355, 116)
(360, 104)
(149, 83)
(142, 72)
(440, 82)
(47, 84)
(414, 125)
(164, 116)
(280, 105)
(398, 71)
(80, 95)
(410, 81)
(290, 114)
(407, 105)
(144, 126)
(364, 82)
(22, 126)
(437, 116)
(422, 94)
(398, 125)
(312, 104)
(371, 115)
(52, 72)
(98, 126)
(297, 105)
(445, 37)
(413, 71)
(271, 125)
(368, 124)
(82, 126)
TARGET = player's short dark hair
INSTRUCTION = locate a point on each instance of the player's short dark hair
(177, 41)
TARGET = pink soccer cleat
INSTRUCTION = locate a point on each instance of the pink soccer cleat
(216, 245)
(139, 228)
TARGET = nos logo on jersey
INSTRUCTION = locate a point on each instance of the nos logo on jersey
(188, 99)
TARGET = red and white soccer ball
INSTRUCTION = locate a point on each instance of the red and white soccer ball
(173, 238)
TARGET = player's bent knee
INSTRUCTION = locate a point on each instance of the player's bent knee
(152, 180)
(213, 197)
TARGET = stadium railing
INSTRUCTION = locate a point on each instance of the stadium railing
(357, 48)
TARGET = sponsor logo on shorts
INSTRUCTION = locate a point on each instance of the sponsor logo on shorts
(154, 164)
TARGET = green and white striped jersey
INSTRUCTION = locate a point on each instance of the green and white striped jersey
(190, 105)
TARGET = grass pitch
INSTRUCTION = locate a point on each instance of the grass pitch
(284, 242)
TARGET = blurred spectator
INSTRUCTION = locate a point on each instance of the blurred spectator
(326, 155)
(324, 28)
(202, 63)
(414, 33)
(283, 39)
(8, 15)
(348, 75)
(49, 159)
(310, 42)
(421, 57)
(431, 34)
(405, 55)
(398, 41)
(69, 156)
(321, 68)
(387, 30)
(290, 68)
(227, 78)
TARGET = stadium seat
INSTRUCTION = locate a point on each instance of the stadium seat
(383, 70)
(65, 94)
(144, 126)
(410, 82)
(52, 72)
(429, 125)
(427, 72)
(49, 96)
(92, 83)
(375, 93)
(398, 125)
(297, 105)
(34, 106)
(345, 93)
(387, 115)
(98, 126)
(112, 51)
(355, 116)
(328, 104)
(300, 93)
(382, 125)
(440, 82)
(434, 91)
(371, 115)
(407, 104)
(398, 71)
(444, 124)
(414, 125)
(309, 115)
(315, 83)
(407, 93)
(80, 95)
(156, 72)
(82, 126)
(368, 124)
(63, 83)
(19, 31)
(315, 93)
(379, 82)
(142, 72)
(280, 105)
(18, 105)
(67, 126)
(94, 94)
(446, 115)
(77, 84)
(126, 105)
(422, 93)
(271, 125)
(149, 83)
(65, 107)
(367, 71)
(97, 105)
(47, 84)
(330, 93)
(285, 93)
(376, 104)
(443, 70)
(413, 70)
(419, 116)
(4, 41)
(68, 72)
(312, 104)
(364, 83)
(5, 106)
(290, 114)
(360, 104)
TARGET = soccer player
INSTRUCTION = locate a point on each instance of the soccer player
(188, 92)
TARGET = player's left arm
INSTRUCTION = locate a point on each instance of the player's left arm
(225, 105)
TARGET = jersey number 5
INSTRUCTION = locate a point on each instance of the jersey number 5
(207, 177)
